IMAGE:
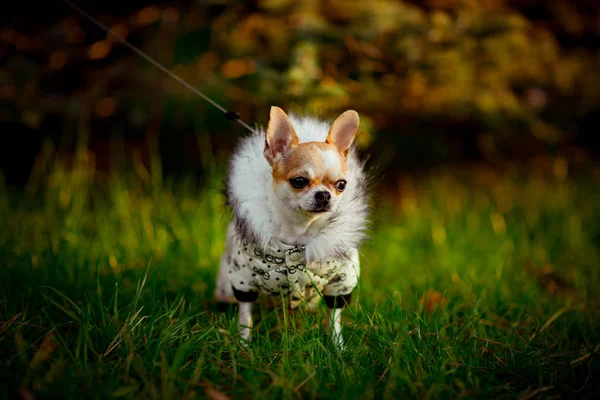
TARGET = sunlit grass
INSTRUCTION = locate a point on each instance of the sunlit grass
(473, 285)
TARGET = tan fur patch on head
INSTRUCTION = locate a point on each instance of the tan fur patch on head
(321, 163)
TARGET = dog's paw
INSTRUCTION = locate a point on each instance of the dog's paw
(245, 336)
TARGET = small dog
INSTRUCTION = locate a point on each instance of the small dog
(300, 208)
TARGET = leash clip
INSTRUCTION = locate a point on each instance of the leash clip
(232, 115)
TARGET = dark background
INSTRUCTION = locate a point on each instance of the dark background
(436, 82)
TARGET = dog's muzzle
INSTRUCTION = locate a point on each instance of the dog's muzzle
(322, 201)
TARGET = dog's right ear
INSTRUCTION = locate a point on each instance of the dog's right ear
(280, 135)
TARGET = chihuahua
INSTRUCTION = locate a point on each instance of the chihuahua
(300, 208)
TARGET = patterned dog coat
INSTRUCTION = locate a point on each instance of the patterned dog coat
(283, 268)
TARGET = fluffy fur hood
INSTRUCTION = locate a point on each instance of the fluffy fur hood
(250, 179)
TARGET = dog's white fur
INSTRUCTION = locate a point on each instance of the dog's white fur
(260, 217)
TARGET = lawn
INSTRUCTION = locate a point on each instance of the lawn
(475, 284)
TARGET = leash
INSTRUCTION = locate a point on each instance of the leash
(231, 115)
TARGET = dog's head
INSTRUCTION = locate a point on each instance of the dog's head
(309, 178)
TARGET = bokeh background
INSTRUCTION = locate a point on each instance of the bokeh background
(436, 82)
(479, 124)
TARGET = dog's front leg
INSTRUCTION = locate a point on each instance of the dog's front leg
(334, 325)
(245, 322)
(246, 300)
(335, 305)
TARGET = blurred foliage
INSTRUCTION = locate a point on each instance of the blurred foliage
(433, 80)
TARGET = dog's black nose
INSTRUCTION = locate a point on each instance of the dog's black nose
(323, 196)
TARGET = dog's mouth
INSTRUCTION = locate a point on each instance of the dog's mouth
(320, 210)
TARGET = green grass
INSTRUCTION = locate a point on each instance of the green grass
(473, 285)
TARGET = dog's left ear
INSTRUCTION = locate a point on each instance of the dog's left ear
(343, 130)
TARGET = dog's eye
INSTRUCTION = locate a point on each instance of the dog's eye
(299, 182)
(340, 185)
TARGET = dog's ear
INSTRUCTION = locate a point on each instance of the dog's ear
(343, 130)
(280, 135)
